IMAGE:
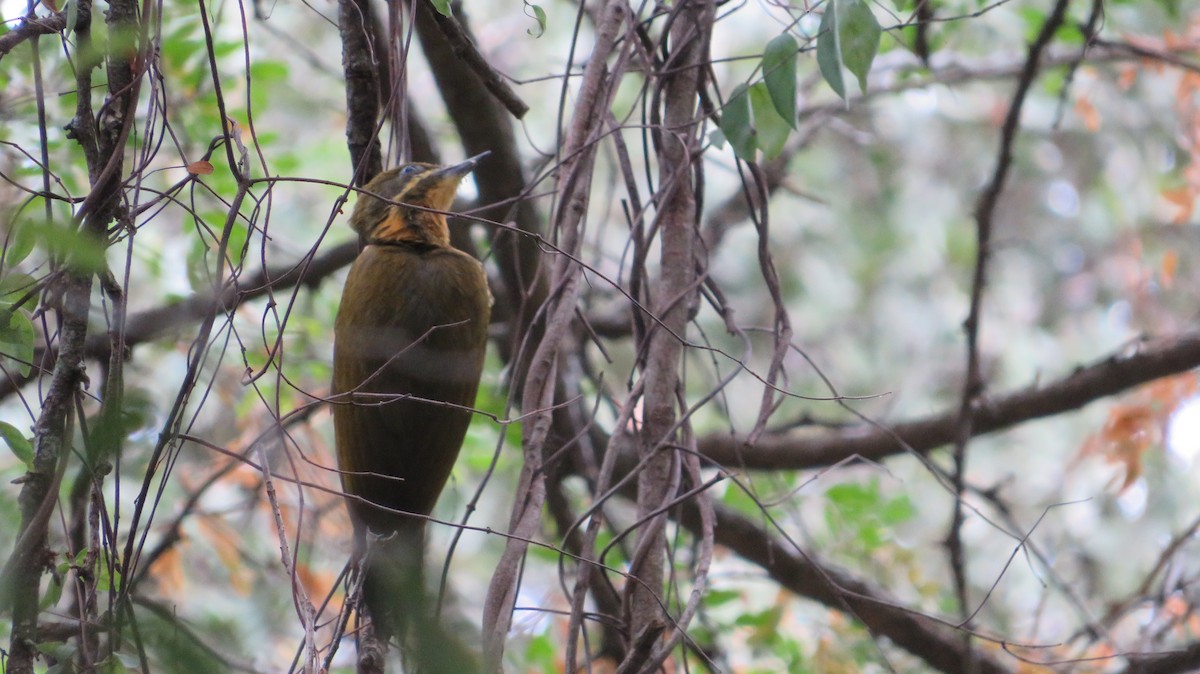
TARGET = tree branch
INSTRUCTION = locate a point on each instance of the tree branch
(464, 48)
(985, 209)
(151, 324)
(483, 125)
(931, 640)
(676, 221)
(31, 27)
(1171, 662)
(1115, 374)
(359, 58)
(537, 398)
(103, 142)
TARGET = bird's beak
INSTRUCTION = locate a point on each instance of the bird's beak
(460, 170)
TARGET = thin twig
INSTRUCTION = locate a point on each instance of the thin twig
(985, 209)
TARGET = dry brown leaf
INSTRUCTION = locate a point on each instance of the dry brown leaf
(316, 583)
(224, 540)
(1138, 424)
(1168, 392)
(167, 570)
(200, 168)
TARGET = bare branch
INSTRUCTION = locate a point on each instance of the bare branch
(31, 27)
(578, 153)
(677, 295)
(1115, 374)
(464, 47)
(484, 126)
(356, 23)
(929, 639)
(985, 210)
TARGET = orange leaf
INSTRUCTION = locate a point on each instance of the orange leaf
(1128, 454)
(1139, 423)
(1127, 77)
(200, 168)
(1088, 113)
(168, 570)
(1184, 198)
(1166, 393)
(1100, 651)
(317, 583)
(1130, 430)
(1170, 263)
(1173, 40)
(224, 541)
(1188, 84)
(1175, 606)
(1128, 423)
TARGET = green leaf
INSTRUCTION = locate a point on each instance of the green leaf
(19, 244)
(16, 338)
(17, 442)
(538, 15)
(735, 124)
(196, 264)
(53, 594)
(862, 511)
(854, 500)
(736, 498)
(829, 57)
(83, 252)
(239, 234)
(110, 429)
(767, 619)
(72, 18)
(849, 36)
(120, 663)
(14, 285)
(772, 129)
(442, 6)
(64, 652)
(226, 47)
(719, 597)
(268, 71)
(779, 73)
(860, 40)
(897, 511)
(541, 650)
(130, 660)
(108, 581)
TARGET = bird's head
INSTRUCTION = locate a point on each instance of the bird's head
(420, 191)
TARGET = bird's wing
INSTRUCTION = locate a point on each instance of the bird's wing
(412, 353)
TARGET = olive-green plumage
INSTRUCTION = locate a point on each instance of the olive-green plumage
(409, 346)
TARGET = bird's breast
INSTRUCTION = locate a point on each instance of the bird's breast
(424, 310)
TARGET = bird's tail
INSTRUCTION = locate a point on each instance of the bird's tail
(402, 607)
(393, 581)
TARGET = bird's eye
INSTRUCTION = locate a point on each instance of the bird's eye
(410, 170)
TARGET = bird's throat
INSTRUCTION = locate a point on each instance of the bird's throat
(412, 226)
